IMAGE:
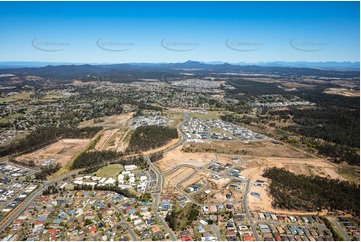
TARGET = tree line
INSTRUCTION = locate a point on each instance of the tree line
(44, 136)
(312, 193)
(94, 160)
(45, 171)
(116, 189)
(150, 137)
(332, 131)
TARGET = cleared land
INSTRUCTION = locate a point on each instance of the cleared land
(255, 148)
(62, 151)
(172, 179)
(115, 131)
(112, 139)
(306, 166)
(115, 121)
(261, 155)
(343, 92)
(176, 157)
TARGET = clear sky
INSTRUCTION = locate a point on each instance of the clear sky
(117, 32)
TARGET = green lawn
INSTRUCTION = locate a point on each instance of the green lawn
(209, 115)
(110, 171)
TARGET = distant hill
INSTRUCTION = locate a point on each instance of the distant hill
(134, 69)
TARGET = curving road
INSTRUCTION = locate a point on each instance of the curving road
(156, 198)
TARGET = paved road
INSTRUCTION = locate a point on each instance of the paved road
(156, 199)
(216, 230)
(248, 214)
(21, 207)
(339, 228)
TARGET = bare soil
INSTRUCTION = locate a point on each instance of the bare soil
(172, 179)
(62, 151)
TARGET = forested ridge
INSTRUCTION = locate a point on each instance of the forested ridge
(150, 137)
(332, 131)
(312, 193)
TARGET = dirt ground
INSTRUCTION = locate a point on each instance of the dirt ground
(343, 91)
(114, 133)
(62, 151)
(296, 85)
(112, 139)
(115, 121)
(256, 148)
(177, 157)
(264, 154)
(172, 179)
(264, 203)
(306, 166)
(199, 176)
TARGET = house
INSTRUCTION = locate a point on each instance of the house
(274, 217)
(278, 237)
(185, 236)
(165, 205)
(203, 222)
(149, 222)
(255, 194)
(280, 229)
(231, 235)
(159, 234)
(130, 167)
(155, 228)
(93, 229)
(264, 228)
(145, 234)
(293, 230)
(247, 238)
(259, 183)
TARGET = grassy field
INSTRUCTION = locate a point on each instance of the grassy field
(109, 171)
(16, 97)
(209, 115)
(350, 173)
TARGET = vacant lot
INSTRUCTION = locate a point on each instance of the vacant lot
(62, 151)
(194, 179)
(112, 139)
(177, 156)
(255, 148)
(110, 171)
(180, 174)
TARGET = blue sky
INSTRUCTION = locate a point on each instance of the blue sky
(117, 32)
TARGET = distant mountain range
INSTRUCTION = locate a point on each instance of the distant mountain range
(146, 70)
(329, 65)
